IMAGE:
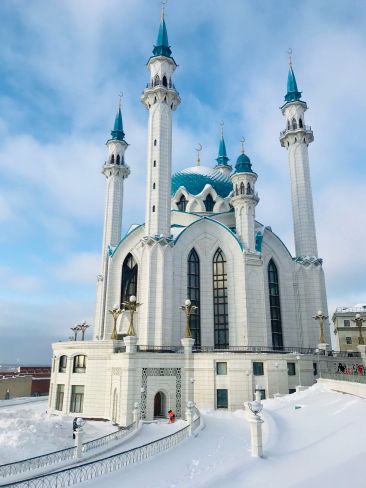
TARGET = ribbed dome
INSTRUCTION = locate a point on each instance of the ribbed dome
(194, 180)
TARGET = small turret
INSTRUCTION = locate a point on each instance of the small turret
(222, 159)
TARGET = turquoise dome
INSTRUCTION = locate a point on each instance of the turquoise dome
(243, 164)
(194, 180)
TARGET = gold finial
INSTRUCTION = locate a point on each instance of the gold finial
(289, 52)
(163, 3)
(120, 100)
(198, 149)
(242, 140)
(222, 128)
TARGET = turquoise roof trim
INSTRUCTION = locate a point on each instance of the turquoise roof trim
(293, 93)
(243, 164)
(117, 132)
(195, 179)
(222, 158)
(162, 47)
(215, 222)
(125, 237)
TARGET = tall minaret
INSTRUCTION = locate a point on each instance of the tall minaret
(161, 99)
(244, 200)
(115, 170)
(295, 138)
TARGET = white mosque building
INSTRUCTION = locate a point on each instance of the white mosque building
(254, 302)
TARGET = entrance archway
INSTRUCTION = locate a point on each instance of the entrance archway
(160, 405)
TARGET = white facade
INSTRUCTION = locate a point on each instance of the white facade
(200, 240)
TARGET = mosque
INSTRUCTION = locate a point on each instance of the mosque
(200, 302)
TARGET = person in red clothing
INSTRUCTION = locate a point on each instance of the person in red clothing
(171, 415)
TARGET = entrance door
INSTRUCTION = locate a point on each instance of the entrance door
(159, 405)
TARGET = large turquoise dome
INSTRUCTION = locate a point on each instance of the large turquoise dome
(194, 180)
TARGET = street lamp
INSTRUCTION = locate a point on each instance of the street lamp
(256, 428)
(115, 312)
(75, 330)
(131, 306)
(82, 327)
(298, 365)
(359, 320)
(189, 309)
(255, 407)
(321, 317)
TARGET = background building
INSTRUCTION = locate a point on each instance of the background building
(347, 334)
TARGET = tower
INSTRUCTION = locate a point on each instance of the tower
(161, 99)
(296, 138)
(222, 159)
(244, 200)
(116, 171)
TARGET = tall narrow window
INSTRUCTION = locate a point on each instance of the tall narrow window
(193, 293)
(62, 364)
(59, 397)
(220, 301)
(118, 160)
(77, 399)
(129, 278)
(182, 203)
(275, 306)
(209, 203)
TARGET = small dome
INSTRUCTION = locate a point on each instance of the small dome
(194, 180)
(243, 164)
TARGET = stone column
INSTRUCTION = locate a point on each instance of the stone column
(131, 344)
(187, 343)
(79, 442)
(256, 435)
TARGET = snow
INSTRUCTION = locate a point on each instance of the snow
(27, 431)
(320, 443)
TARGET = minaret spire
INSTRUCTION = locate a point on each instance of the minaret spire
(222, 158)
(292, 90)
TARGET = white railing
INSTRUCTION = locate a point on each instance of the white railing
(92, 470)
(58, 457)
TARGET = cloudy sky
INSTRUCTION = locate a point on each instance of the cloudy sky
(63, 64)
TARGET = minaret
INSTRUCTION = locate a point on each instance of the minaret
(295, 138)
(244, 200)
(222, 159)
(161, 99)
(115, 170)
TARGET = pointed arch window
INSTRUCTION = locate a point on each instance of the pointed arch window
(242, 188)
(209, 203)
(112, 159)
(220, 301)
(294, 124)
(129, 278)
(182, 203)
(193, 293)
(165, 81)
(275, 306)
(118, 160)
(249, 189)
(300, 123)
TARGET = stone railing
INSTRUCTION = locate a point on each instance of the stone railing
(88, 471)
(353, 378)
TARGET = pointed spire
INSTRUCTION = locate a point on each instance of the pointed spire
(117, 132)
(222, 158)
(292, 92)
(162, 47)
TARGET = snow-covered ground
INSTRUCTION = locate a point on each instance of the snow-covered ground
(27, 431)
(321, 444)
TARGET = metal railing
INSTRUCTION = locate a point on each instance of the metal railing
(292, 129)
(352, 378)
(163, 349)
(351, 309)
(94, 469)
(58, 457)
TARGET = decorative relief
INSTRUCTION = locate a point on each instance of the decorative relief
(116, 371)
(308, 260)
(162, 372)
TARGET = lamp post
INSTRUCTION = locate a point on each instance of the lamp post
(80, 422)
(189, 309)
(359, 320)
(131, 306)
(256, 428)
(83, 327)
(115, 312)
(317, 351)
(321, 317)
(298, 365)
(75, 330)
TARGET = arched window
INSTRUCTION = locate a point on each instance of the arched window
(165, 81)
(275, 306)
(154, 186)
(294, 124)
(118, 161)
(249, 189)
(300, 123)
(112, 159)
(155, 141)
(209, 203)
(288, 125)
(242, 188)
(62, 364)
(153, 208)
(79, 364)
(182, 204)
(220, 301)
(236, 190)
(193, 293)
(156, 80)
(129, 278)
(154, 164)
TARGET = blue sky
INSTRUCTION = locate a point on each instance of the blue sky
(62, 65)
